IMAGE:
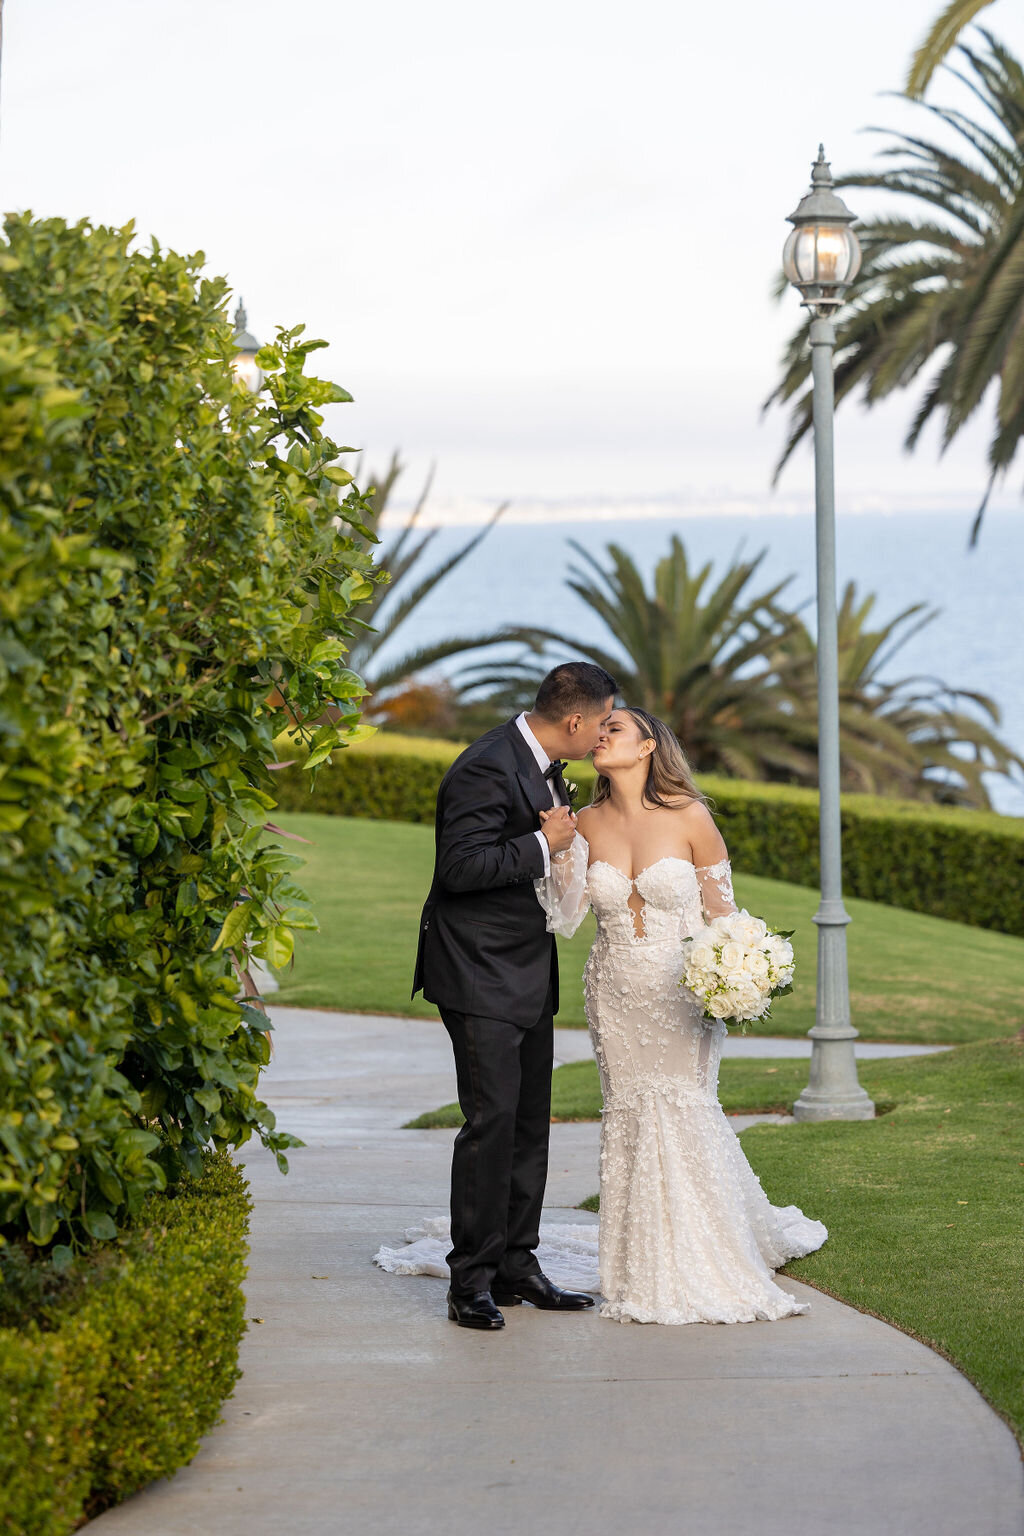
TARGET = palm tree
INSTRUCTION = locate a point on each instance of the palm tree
(408, 586)
(942, 290)
(734, 674)
(691, 650)
(908, 737)
(940, 41)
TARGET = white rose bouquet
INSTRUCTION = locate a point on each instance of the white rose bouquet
(736, 965)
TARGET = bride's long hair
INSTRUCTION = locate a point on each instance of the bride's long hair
(668, 772)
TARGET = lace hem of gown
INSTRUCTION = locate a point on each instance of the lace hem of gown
(568, 1254)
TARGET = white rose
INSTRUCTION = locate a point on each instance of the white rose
(702, 957)
(781, 950)
(732, 956)
(756, 964)
(720, 1006)
(754, 931)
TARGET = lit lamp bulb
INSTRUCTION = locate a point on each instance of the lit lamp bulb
(833, 253)
(243, 364)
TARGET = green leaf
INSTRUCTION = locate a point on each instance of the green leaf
(327, 650)
(338, 476)
(234, 926)
(135, 1139)
(320, 754)
(62, 1257)
(278, 945)
(99, 1225)
(110, 1186)
(145, 841)
(42, 1222)
(299, 917)
(359, 733)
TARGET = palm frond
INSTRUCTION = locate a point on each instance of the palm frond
(941, 38)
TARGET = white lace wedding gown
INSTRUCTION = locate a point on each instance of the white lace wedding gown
(686, 1235)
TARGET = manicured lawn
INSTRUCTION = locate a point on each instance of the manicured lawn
(924, 1207)
(913, 978)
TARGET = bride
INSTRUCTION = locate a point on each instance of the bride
(686, 1232)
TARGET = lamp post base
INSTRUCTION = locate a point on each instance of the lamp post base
(833, 1092)
(809, 1108)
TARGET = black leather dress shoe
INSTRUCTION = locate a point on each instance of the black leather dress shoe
(539, 1290)
(475, 1311)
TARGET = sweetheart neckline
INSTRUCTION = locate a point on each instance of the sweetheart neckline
(669, 858)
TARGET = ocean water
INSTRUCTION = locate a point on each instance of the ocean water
(518, 575)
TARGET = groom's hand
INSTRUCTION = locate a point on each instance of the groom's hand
(559, 827)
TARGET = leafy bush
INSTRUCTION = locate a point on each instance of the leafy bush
(178, 576)
(115, 1379)
(964, 865)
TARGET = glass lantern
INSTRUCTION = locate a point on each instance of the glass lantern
(825, 254)
(243, 364)
(822, 255)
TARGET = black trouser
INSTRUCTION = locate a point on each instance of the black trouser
(500, 1158)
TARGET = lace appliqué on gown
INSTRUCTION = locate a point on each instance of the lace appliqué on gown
(686, 1232)
(567, 1252)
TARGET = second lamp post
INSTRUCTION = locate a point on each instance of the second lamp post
(821, 259)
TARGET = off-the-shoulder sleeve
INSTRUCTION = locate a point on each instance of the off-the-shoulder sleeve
(563, 893)
(715, 881)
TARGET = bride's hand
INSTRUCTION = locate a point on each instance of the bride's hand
(559, 827)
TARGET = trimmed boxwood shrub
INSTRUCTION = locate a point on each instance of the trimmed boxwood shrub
(964, 865)
(111, 1371)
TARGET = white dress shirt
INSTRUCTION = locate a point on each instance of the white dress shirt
(543, 763)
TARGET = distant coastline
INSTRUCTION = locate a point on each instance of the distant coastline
(471, 512)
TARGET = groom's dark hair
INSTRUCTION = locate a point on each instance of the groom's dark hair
(576, 687)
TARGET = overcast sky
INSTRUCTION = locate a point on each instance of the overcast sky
(540, 238)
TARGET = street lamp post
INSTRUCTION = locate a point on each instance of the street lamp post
(821, 259)
(244, 362)
(249, 373)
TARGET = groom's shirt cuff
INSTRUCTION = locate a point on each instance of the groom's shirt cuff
(546, 852)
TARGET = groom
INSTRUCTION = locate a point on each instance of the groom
(488, 962)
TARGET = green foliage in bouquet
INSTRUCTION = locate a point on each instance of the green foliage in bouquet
(179, 573)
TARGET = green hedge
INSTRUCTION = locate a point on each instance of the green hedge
(178, 574)
(116, 1376)
(964, 865)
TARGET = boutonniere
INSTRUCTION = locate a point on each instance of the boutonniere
(572, 790)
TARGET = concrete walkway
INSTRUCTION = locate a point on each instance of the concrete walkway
(363, 1411)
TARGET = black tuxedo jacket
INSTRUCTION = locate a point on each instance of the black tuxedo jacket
(484, 947)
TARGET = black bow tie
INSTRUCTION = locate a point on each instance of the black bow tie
(554, 773)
